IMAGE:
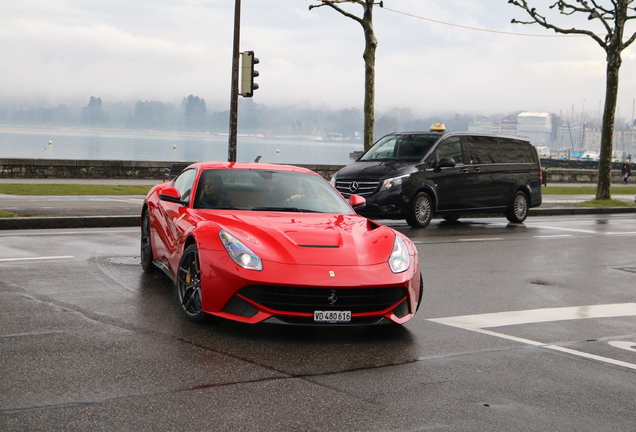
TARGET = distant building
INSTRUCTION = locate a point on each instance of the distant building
(480, 126)
(508, 127)
(504, 127)
(570, 137)
(535, 126)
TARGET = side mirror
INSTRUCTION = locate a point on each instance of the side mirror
(357, 202)
(446, 163)
(171, 195)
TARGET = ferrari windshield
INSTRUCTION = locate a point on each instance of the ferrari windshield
(401, 147)
(267, 190)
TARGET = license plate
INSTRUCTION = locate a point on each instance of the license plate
(332, 317)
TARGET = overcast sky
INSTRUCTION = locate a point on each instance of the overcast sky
(68, 50)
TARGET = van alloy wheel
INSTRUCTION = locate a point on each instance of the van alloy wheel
(518, 210)
(421, 211)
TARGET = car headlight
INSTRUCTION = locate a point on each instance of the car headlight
(240, 254)
(399, 260)
(392, 182)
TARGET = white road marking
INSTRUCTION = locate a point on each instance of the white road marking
(36, 258)
(555, 236)
(480, 239)
(626, 345)
(479, 323)
(558, 228)
(583, 231)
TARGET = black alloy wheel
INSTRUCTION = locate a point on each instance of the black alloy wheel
(188, 285)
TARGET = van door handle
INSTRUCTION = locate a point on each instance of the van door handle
(477, 169)
(465, 170)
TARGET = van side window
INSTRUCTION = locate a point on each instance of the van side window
(515, 151)
(483, 149)
(450, 148)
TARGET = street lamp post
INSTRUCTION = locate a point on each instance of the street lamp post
(231, 149)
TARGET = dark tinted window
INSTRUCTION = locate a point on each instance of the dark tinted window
(402, 147)
(450, 148)
(482, 149)
(516, 151)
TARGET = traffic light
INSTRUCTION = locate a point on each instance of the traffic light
(248, 73)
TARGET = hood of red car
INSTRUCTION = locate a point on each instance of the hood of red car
(307, 238)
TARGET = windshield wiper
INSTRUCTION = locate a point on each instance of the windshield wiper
(279, 209)
(285, 209)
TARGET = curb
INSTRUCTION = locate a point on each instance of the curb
(135, 221)
(579, 211)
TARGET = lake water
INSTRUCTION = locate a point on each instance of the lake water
(100, 145)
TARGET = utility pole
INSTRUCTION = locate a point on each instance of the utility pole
(231, 149)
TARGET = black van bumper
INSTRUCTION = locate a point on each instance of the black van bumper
(395, 207)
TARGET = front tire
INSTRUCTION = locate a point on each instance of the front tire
(188, 284)
(518, 210)
(147, 257)
(421, 211)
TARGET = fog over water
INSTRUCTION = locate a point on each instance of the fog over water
(80, 145)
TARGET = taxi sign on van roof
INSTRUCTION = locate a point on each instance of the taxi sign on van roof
(438, 127)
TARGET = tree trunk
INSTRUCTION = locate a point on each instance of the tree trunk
(371, 43)
(369, 96)
(603, 188)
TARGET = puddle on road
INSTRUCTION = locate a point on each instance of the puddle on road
(131, 261)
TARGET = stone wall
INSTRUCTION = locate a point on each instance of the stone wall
(100, 169)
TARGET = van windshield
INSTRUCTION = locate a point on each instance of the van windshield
(401, 147)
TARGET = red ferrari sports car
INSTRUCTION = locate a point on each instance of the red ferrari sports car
(254, 243)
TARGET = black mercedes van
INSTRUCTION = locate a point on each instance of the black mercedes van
(419, 175)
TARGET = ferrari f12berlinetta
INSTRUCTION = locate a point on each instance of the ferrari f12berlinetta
(255, 243)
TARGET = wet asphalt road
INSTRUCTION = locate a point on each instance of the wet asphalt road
(89, 341)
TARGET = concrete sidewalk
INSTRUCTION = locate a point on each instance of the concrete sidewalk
(124, 211)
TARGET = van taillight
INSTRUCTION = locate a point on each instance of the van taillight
(540, 175)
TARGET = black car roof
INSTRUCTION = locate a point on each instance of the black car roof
(463, 133)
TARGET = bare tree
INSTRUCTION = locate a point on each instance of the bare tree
(371, 43)
(613, 17)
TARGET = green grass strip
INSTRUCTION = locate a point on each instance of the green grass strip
(6, 214)
(585, 190)
(72, 189)
(603, 203)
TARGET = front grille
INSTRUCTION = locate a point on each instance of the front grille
(363, 188)
(307, 300)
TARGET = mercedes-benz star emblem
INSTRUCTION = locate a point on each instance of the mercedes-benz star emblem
(354, 186)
